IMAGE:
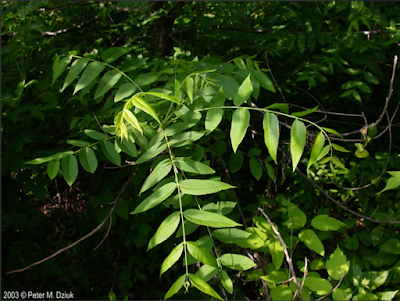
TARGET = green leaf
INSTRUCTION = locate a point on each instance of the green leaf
(112, 54)
(196, 167)
(202, 286)
(76, 68)
(363, 87)
(304, 113)
(369, 77)
(280, 106)
(155, 198)
(175, 287)
(339, 295)
(211, 219)
(337, 162)
(109, 151)
(271, 134)
(244, 92)
(230, 236)
(213, 119)
(340, 148)
(393, 182)
(388, 295)
(270, 171)
(336, 265)
(53, 167)
(152, 152)
(255, 168)
(95, 135)
(318, 285)
(89, 75)
(147, 78)
(141, 104)
(132, 120)
(201, 254)
(57, 156)
(316, 149)
(122, 209)
(165, 230)
(107, 82)
(275, 277)
(171, 258)
(226, 282)
(206, 272)
(298, 135)
(160, 172)
(202, 187)
(312, 241)
(60, 65)
(263, 79)
(127, 146)
(88, 159)
(164, 96)
(237, 262)
(391, 246)
(324, 222)
(332, 131)
(301, 43)
(324, 152)
(239, 63)
(69, 167)
(185, 138)
(281, 292)
(236, 162)
(125, 91)
(78, 143)
(276, 250)
(189, 88)
(240, 123)
(297, 218)
(229, 85)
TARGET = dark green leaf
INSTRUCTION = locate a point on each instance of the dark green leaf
(109, 151)
(89, 75)
(69, 168)
(155, 198)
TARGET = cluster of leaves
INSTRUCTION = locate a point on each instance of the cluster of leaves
(179, 117)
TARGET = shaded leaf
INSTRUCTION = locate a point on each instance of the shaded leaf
(89, 75)
(263, 79)
(271, 134)
(109, 151)
(155, 198)
(240, 123)
(298, 134)
(107, 82)
(304, 113)
(189, 88)
(69, 167)
(112, 54)
(175, 287)
(95, 135)
(255, 168)
(53, 167)
(226, 281)
(78, 143)
(88, 159)
(76, 68)
(196, 167)
(60, 65)
(276, 250)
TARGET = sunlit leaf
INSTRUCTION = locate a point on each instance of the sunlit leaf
(240, 123)
(316, 149)
(202, 187)
(189, 88)
(202, 286)
(160, 172)
(171, 258)
(57, 156)
(271, 134)
(211, 219)
(237, 262)
(107, 82)
(336, 265)
(76, 68)
(89, 75)
(95, 135)
(175, 287)
(155, 198)
(196, 167)
(244, 92)
(165, 230)
(201, 254)
(298, 134)
(312, 241)
(324, 222)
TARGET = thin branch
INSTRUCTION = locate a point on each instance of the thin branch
(67, 30)
(105, 236)
(340, 205)
(84, 237)
(288, 259)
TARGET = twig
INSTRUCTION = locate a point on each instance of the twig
(105, 236)
(273, 78)
(84, 237)
(288, 259)
(340, 205)
(305, 274)
(335, 288)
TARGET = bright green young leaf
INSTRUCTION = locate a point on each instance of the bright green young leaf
(60, 65)
(388, 295)
(201, 254)
(112, 54)
(237, 262)
(155, 198)
(298, 135)
(340, 148)
(144, 106)
(304, 113)
(281, 292)
(391, 246)
(275, 277)
(324, 152)
(89, 75)
(244, 92)
(312, 241)
(69, 168)
(213, 119)
(202, 187)
(336, 265)
(189, 88)
(240, 123)
(255, 168)
(171, 258)
(53, 167)
(175, 287)
(230, 236)
(88, 159)
(206, 272)
(132, 120)
(332, 131)
(239, 63)
(263, 80)
(95, 135)
(165, 230)
(107, 82)
(319, 285)
(393, 182)
(211, 219)
(203, 286)
(78, 143)
(109, 151)
(316, 149)
(324, 222)
(337, 162)
(276, 250)
(271, 134)
(76, 68)
(377, 278)
(226, 281)
(160, 172)
(57, 156)
(196, 167)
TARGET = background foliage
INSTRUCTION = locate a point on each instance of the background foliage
(334, 55)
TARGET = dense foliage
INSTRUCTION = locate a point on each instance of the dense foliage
(191, 150)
